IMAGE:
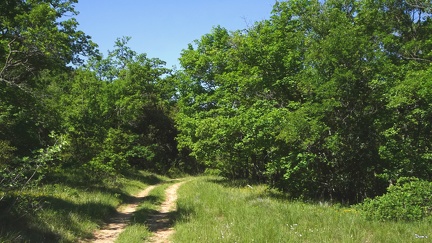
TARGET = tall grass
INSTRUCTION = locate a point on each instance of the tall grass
(212, 211)
(69, 210)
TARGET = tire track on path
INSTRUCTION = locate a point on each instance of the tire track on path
(120, 220)
(161, 222)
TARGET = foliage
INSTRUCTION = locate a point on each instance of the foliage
(60, 114)
(38, 35)
(6, 152)
(132, 113)
(116, 113)
(408, 135)
(409, 200)
(18, 175)
(325, 100)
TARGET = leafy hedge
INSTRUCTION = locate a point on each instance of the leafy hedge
(409, 200)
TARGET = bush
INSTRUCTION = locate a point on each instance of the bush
(409, 200)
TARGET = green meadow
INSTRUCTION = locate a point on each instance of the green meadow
(217, 210)
(209, 209)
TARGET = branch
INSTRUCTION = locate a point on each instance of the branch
(11, 62)
(20, 86)
(416, 59)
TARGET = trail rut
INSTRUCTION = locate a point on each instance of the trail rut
(160, 223)
(120, 220)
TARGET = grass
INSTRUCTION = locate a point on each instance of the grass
(134, 233)
(67, 211)
(210, 209)
(138, 230)
(214, 210)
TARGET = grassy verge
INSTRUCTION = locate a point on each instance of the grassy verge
(66, 211)
(138, 230)
(211, 210)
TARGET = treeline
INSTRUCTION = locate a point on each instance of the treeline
(324, 100)
(66, 110)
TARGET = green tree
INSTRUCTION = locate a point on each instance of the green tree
(407, 137)
(36, 36)
(38, 40)
(311, 100)
(117, 112)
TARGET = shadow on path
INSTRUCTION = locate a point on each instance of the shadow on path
(161, 222)
(121, 219)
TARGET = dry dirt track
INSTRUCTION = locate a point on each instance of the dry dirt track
(159, 223)
(120, 220)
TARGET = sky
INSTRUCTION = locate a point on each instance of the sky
(163, 28)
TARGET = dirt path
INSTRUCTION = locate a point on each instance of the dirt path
(119, 221)
(160, 223)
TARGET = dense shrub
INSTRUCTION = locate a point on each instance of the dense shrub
(409, 200)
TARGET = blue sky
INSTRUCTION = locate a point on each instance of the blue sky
(162, 28)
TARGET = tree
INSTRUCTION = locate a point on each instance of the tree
(406, 139)
(311, 100)
(38, 42)
(117, 114)
(37, 35)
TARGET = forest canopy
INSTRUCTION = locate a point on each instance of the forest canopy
(323, 100)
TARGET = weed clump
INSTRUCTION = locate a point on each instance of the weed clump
(409, 200)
